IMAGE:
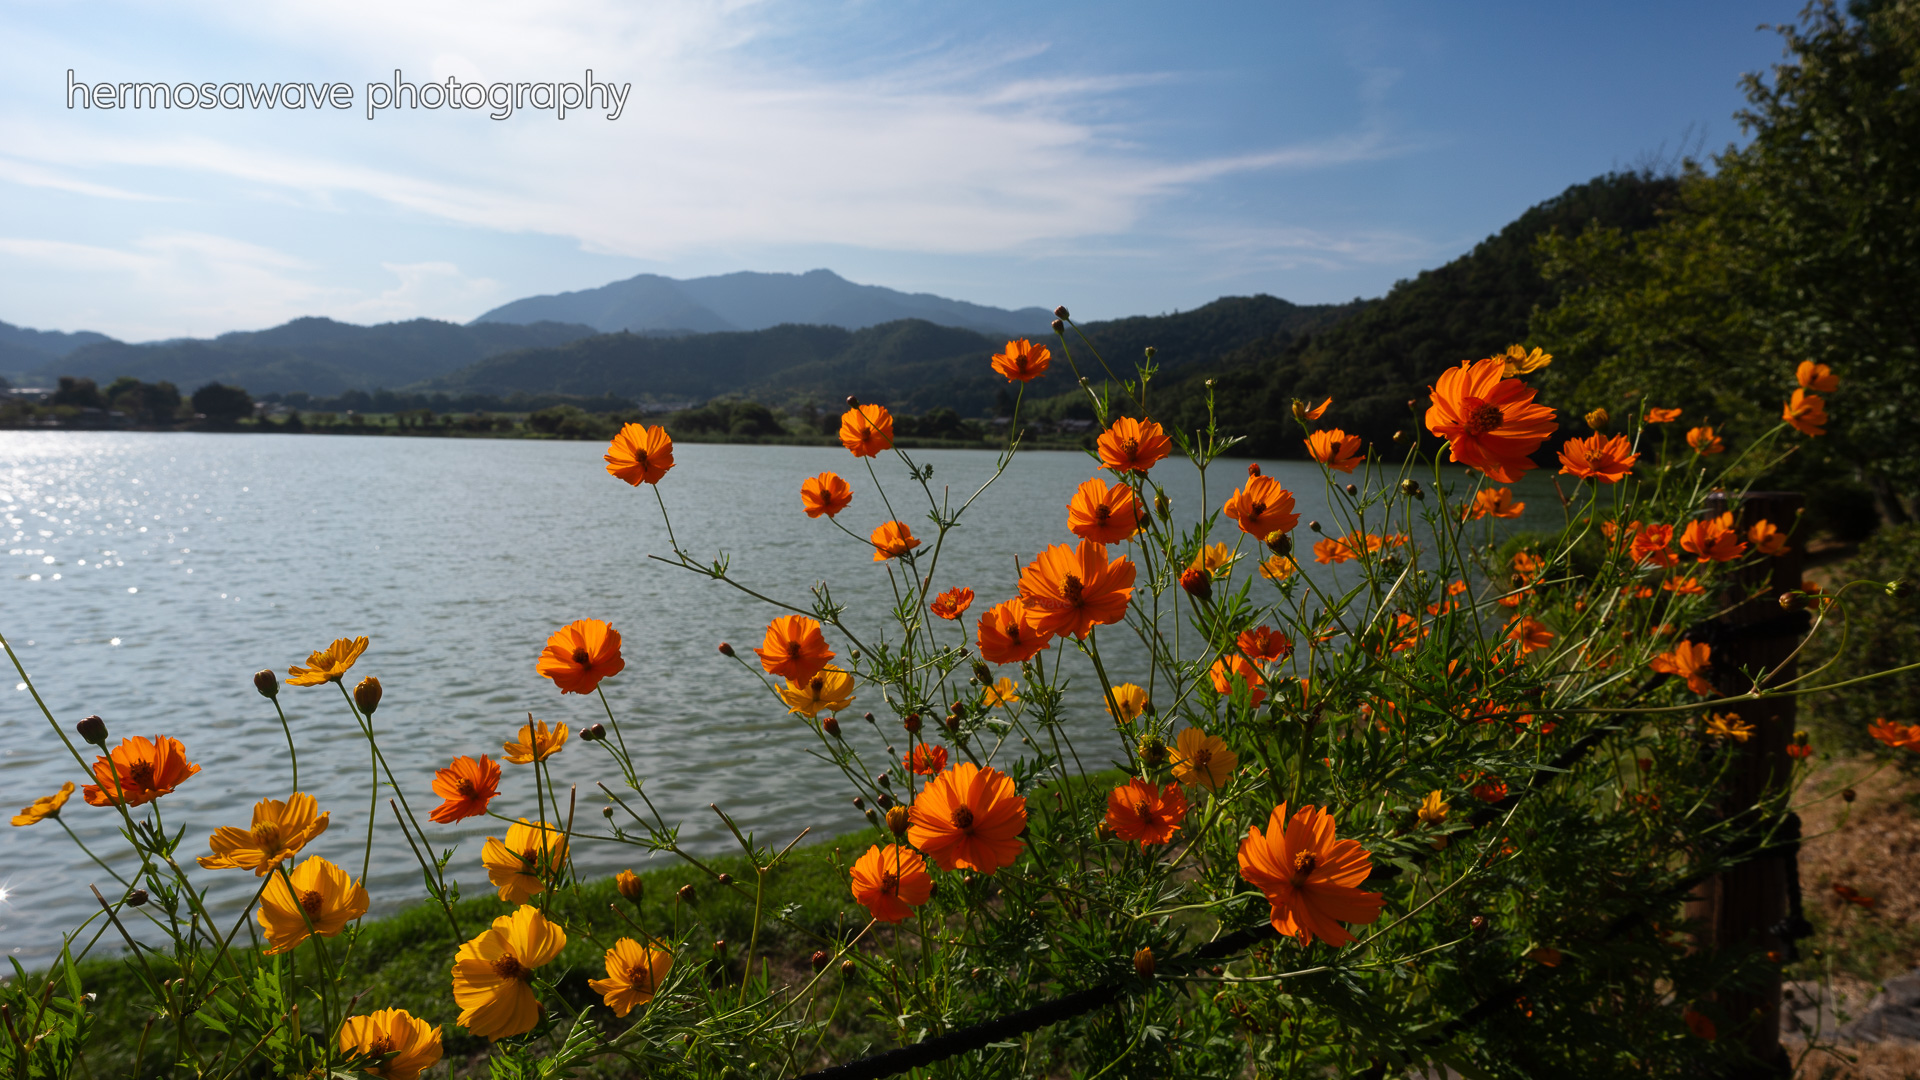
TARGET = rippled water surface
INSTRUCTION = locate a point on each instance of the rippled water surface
(148, 576)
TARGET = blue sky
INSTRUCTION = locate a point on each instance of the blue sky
(1119, 158)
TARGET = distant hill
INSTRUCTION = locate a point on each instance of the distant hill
(24, 350)
(756, 301)
(912, 364)
(319, 356)
(1391, 350)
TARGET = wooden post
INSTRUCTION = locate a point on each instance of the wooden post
(1743, 907)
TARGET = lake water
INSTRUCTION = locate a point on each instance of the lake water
(148, 576)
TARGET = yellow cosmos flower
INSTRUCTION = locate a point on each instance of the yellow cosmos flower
(1002, 693)
(521, 865)
(329, 664)
(280, 830)
(391, 1043)
(1215, 559)
(1203, 760)
(1131, 701)
(1433, 809)
(537, 742)
(1519, 361)
(1727, 726)
(491, 973)
(1279, 568)
(323, 900)
(634, 975)
(45, 806)
(829, 690)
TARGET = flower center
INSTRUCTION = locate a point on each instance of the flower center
(311, 902)
(380, 1047)
(1304, 863)
(1202, 758)
(1258, 508)
(816, 685)
(1483, 418)
(465, 787)
(890, 883)
(1129, 447)
(963, 818)
(1147, 817)
(266, 835)
(1102, 512)
(508, 967)
(580, 657)
(1071, 588)
(141, 773)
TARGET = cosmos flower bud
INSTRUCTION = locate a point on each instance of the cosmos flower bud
(1352, 491)
(912, 723)
(1848, 795)
(1058, 326)
(1793, 601)
(93, 730)
(367, 695)
(685, 894)
(725, 879)
(1151, 353)
(885, 780)
(847, 968)
(1411, 487)
(267, 683)
(630, 885)
(1280, 543)
(726, 650)
(859, 803)
(1253, 469)
(1143, 963)
(1061, 312)
(1162, 505)
(1598, 419)
(831, 726)
(983, 673)
(873, 818)
(598, 731)
(136, 898)
(852, 402)
(1899, 589)
(1197, 582)
(819, 959)
(897, 820)
(883, 800)
(1314, 525)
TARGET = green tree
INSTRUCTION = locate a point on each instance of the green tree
(222, 404)
(1802, 245)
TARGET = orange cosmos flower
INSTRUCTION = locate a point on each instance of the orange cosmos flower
(329, 664)
(1689, 660)
(1662, 416)
(1332, 551)
(1202, 760)
(825, 494)
(1231, 673)
(140, 771)
(580, 654)
(640, 454)
(1102, 514)
(1531, 634)
(1806, 412)
(521, 865)
(1134, 446)
(891, 881)
(1699, 1025)
(1140, 811)
(280, 830)
(1896, 736)
(1604, 460)
(952, 604)
(493, 973)
(1310, 879)
(1650, 546)
(1704, 441)
(968, 818)
(1494, 502)
(1262, 508)
(1767, 539)
(1072, 590)
(467, 786)
(537, 742)
(1818, 378)
(322, 900)
(1005, 637)
(892, 540)
(1490, 423)
(1489, 789)
(634, 975)
(1686, 586)
(794, 648)
(392, 1043)
(1335, 449)
(926, 760)
(866, 430)
(1023, 361)
(1264, 643)
(1308, 413)
(1713, 539)
(1279, 568)
(44, 807)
